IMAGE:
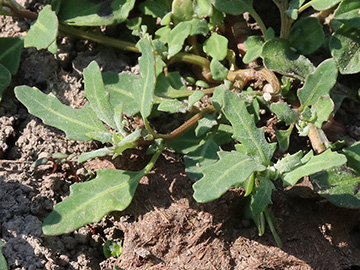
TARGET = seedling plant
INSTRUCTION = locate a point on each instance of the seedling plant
(232, 75)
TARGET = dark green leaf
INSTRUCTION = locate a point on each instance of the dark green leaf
(43, 33)
(318, 83)
(279, 57)
(76, 123)
(111, 190)
(186, 143)
(199, 27)
(10, 52)
(154, 8)
(92, 13)
(234, 7)
(284, 112)
(231, 169)
(353, 156)
(338, 186)
(345, 49)
(218, 71)
(348, 12)
(307, 35)
(283, 138)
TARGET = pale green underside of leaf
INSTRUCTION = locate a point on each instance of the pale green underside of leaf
(76, 123)
(10, 53)
(315, 164)
(279, 57)
(245, 131)
(232, 168)
(97, 96)
(345, 49)
(111, 190)
(92, 13)
(318, 83)
(43, 33)
(338, 186)
(144, 91)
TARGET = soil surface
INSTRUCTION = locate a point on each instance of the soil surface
(163, 228)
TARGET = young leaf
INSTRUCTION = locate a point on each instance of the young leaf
(253, 46)
(279, 57)
(338, 186)
(111, 190)
(144, 88)
(94, 13)
(245, 131)
(353, 156)
(284, 112)
(283, 138)
(262, 197)
(76, 123)
(345, 49)
(128, 142)
(203, 156)
(216, 46)
(294, 6)
(10, 53)
(318, 83)
(318, 163)
(94, 154)
(218, 71)
(121, 90)
(322, 109)
(348, 13)
(97, 96)
(232, 168)
(5, 79)
(307, 35)
(43, 33)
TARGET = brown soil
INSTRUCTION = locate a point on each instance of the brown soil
(163, 228)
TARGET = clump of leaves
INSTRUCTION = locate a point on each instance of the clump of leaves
(220, 107)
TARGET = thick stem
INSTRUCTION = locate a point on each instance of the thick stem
(317, 138)
(286, 21)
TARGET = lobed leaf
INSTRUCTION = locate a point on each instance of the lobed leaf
(97, 96)
(345, 49)
(10, 53)
(245, 131)
(318, 83)
(94, 13)
(44, 31)
(279, 57)
(232, 168)
(348, 13)
(288, 163)
(314, 164)
(111, 190)
(338, 186)
(284, 112)
(76, 123)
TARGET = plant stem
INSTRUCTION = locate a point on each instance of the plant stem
(259, 21)
(307, 5)
(269, 220)
(286, 21)
(317, 138)
(153, 160)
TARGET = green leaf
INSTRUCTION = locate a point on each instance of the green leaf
(5, 79)
(233, 7)
(203, 8)
(76, 123)
(318, 83)
(186, 143)
(283, 138)
(294, 6)
(144, 90)
(154, 8)
(232, 168)
(121, 90)
(345, 49)
(182, 10)
(353, 156)
(279, 57)
(307, 35)
(322, 109)
(323, 4)
(163, 34)
(245, 131)
(288, 163)
(253, 46)
(195, 97)
(128, 142)
(3, 264)
(262, 197)
(111, 190)
(94, 154)
(218, 71)
(216, 46)
(97, 96)
(177, 37)
(318, 163)
(94, 13)
(10, 53)
(43, 33)
(171, 86)
(172, 106)
(338, 186)
(348, 13)
(203, 156)
(284, 112)
(205, 124)
(199, 27)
